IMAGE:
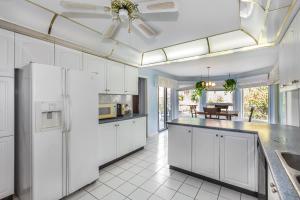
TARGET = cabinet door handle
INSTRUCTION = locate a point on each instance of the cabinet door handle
(189, 131)
(222, 136)
(217, 135)
(272, 185)
(274, 190)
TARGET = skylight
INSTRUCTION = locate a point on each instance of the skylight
(231, 40)
(189, 49)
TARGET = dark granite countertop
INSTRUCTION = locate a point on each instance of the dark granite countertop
(272, 137)
(126, 117)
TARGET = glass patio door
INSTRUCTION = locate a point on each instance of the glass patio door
(164, 107)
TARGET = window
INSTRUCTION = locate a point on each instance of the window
(257, 97)
(185, 99)
(219, 97)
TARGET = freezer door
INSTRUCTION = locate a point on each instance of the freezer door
(292, 108)
(82, 129)
(47, 86)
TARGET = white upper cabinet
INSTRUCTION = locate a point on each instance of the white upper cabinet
(205, 152)
(70, 58)
(96, 66)
(180, 147)
(115, 78)
(28, 50)
(6, 106)
(237, 159)
(6, 166)
(6, 53)
(131, 80)
(289, 49)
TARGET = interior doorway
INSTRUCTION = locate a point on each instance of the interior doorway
(140, 101)
(164, 107)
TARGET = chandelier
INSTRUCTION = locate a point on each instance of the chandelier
(209, 84)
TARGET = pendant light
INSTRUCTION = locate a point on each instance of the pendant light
(209, 83)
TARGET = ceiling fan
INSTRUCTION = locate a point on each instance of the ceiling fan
(121, 11)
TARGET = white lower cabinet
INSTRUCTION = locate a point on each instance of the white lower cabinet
(6, 166)
(272, 189)
(180, 147)
(107, 146)
(221, 155)
(117, 139)
(125, 132)
(206, 153)
(139, 134)
(237, 159)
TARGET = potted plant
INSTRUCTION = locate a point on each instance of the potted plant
(230, 85)
(200, 87)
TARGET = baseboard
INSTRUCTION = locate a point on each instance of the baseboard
(120, 158)
(233, 187)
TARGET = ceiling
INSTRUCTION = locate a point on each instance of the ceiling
(195, 19)
(234, 63)
(202, 33)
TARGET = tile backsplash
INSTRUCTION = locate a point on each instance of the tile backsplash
(123, 99)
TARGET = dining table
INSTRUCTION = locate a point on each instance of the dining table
(228, 114)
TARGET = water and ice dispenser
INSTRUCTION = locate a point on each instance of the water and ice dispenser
(49, 116)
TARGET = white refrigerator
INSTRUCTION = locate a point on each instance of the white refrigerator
(290, 107)
(57, 121)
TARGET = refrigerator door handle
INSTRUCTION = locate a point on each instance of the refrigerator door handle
(64, 118)
(68, 100)
(69, 114)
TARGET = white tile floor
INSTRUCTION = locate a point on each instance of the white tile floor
(145, 175)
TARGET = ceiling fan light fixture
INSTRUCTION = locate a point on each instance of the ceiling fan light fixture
(119, 5)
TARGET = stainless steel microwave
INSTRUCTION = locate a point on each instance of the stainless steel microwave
(107, 111)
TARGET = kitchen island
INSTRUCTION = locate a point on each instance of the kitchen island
(225, 137)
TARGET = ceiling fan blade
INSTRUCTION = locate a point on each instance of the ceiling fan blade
(158, 6)
(110, 32)
(144, 28)
(85, 15)
(74, 5)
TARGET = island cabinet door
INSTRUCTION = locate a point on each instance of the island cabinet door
(237, 159)
(205, 156)
(180, 147)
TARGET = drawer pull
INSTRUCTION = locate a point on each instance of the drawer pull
(274, 190)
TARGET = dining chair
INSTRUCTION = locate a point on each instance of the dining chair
(251, 114)
(222, 107)
(193, 109)
(211, 113)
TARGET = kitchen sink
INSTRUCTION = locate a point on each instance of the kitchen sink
(291, 164)
(292, 160)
